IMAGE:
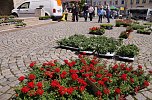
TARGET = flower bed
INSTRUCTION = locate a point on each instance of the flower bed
(83, 79)
(96, 30)
(144, 31)
(123, 22)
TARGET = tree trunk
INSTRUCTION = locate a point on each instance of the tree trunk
(6, 6)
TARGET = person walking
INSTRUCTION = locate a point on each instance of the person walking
(75, 12)
(108, 14)
(100, 13)
(85, 11)
(66, 12)
(91, 10)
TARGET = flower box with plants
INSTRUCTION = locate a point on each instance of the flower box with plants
(72, 42)
(19, 25)
(124, 34)
(106, 26)
(137, 26)
(96, 30)
(69, 81)
(123, 22)
(144, 31)
(127, 52)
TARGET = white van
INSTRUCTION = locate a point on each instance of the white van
(27, 8)
(140, 13)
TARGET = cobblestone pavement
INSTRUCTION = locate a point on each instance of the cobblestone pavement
(19, 48)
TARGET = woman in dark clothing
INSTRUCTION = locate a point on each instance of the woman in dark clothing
(75, 12)
(108, 14)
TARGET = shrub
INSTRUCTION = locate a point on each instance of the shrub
(106, 26)
(45, 17)
(144, 31)
(137, 26)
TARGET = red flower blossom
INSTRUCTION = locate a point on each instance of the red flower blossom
(105, 79)
(57, 70)
(40, 91)
(124, 77)
(39, 84)
(63, 74)
(137, 89)
(81, 81)
(101, 83)
(98, 93)
(21, 78)
(55, 83)
(122, 66)
(70, 90)
(92, 80)
(73, 71)
(66, 61)
(32, 77)
(25, 89)
(31, 84)
(62, 90)
(98, 75)
(82, 88)
(109, 75)
(32, 64)
(84, 53)
(115, 67)
(117, 90)
(132, 80)
(139, 66)
(106, 91)
(150, 71)
(146, 83)
(42, 69)
(80, 56)
(48, 73)
(74, 76)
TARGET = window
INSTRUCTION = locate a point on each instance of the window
(150, 1)
(24, 5)
(143, 1)
(137, 1)
(122, 1)
(116, 2)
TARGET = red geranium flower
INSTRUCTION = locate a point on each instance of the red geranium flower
(40, 91)
(139, 66)
(105, 79)
(42, 69)
(131, 80)
(115, 67)
(66, 61)
(62, 90)
(124, 76)
(21, 78)
(32, 77)
(101, 83)
(57, 70)
(117, 90)
(39, 84)
(63, 74)
(81, 81)
(55, 83)
(82, 88)
(98, 75)
(70, 90)
(106, 91)
(146, 83)
(98, 93)
(31, 84)
(109, 75)
(74, 76)
(25, 89)
(32, 64)
(73, 71)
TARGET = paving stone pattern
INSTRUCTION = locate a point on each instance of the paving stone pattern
(19, 48)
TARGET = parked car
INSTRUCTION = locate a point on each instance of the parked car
(27, 8)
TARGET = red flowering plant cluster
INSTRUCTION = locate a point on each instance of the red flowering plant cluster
(85, 78)
(96, 30)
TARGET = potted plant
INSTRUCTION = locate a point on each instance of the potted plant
(106, 26)
(144, 31)
(127, 52)
(96, 30)
(124, 34)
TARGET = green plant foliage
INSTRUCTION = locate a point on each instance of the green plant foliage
(124, 35)
(137, 26)
(128, 51)
(45, 17)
